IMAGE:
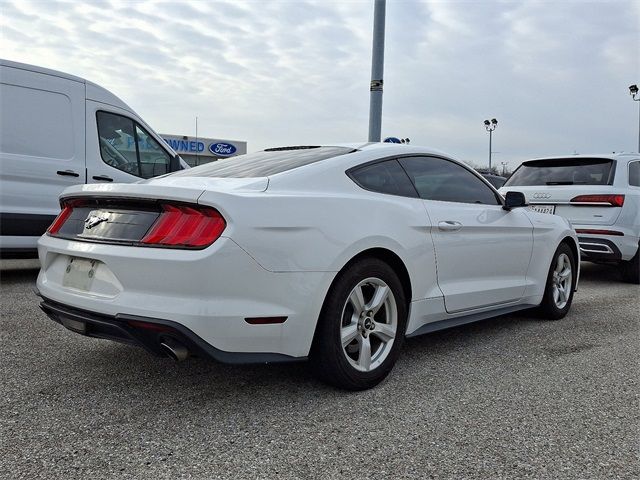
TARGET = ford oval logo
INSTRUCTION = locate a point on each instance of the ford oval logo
(222, 149)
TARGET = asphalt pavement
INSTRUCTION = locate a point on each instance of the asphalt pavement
(507, 398)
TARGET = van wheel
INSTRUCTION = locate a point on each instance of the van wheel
(631, 269)
(561, 279)
(361, 327)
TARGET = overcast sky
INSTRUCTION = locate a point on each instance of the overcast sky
(555, 74)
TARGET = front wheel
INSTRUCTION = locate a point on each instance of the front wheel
(560, 285)
(361, 327)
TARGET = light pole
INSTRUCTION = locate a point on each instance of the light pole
(490, 126)
(377, 69)
(633, 91)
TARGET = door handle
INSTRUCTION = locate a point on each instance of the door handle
(68, 173)
(102, 178)
(449, 226)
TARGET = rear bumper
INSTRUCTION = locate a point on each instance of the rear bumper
(607, 248)
(205, 294)
(147, 333)
(599, 249)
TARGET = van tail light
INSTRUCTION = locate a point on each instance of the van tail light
(185, 226)
(613, 200)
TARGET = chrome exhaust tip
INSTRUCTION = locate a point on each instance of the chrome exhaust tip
(174, 349)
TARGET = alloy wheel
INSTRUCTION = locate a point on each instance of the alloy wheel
(562, 281)
(369, 324)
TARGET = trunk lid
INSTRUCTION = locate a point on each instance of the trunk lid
(126, 213)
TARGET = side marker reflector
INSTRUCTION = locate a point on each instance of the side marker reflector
(264, 320)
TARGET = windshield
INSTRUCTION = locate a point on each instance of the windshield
(265, 163)
(563, 171)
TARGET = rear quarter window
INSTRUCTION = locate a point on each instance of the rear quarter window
(562, 171)
(384, 177)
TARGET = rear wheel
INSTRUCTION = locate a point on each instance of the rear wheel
(361, 327)
(561, 279)
(631, 269)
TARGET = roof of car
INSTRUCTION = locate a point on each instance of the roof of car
(377, 147)
(621, 156)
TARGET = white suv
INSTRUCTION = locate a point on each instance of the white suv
(598, 194)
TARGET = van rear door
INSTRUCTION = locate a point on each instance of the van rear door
(41, 150)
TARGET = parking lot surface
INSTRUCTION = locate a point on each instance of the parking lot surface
(513, 397)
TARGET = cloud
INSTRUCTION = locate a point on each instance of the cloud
(288, 72)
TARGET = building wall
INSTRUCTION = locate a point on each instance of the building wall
(201, 150)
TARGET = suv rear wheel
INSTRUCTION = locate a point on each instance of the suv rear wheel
(631, 269)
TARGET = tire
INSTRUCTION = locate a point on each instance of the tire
(631, 269)
(555, 304)
(365, 305)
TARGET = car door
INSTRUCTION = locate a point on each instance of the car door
(482, 250)
(120, 149)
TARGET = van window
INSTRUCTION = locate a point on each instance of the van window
(36, 123)
(125, 145)
(154, 160)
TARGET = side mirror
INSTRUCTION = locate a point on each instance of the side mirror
(174, 164)
(514, 200)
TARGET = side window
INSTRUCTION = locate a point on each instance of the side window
(634, 174)
(125, 145)
(384, 177)
(440, 179)
(154, 160)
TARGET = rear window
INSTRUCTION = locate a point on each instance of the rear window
(264, 163)
(563, 171)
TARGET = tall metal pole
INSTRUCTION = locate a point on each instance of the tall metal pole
(634, 90)
(377, 70)
(490, 126)
(638, 125)
(197, 157)
(490, 133)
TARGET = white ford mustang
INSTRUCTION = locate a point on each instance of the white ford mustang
(332, 253)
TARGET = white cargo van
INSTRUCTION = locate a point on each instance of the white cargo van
(58, 130)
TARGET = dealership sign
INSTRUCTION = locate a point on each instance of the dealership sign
(222, 149)
(204, 146)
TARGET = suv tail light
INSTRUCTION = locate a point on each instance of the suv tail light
(613, 200)
(189, 226)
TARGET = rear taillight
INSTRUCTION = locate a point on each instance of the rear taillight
(185, 226)
(613, 200)
(60, 219)
(597, 231)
